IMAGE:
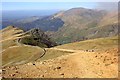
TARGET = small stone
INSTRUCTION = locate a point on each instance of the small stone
(58, 67)
(98, 63)
(42, 75)
(45, 71)
(92, 50)
(12, 74)
(41, 62)
(33, 64)
(61, 73)
(3, 70)
(107, 64)
(29, 63)
(17, 72)
(112, 62)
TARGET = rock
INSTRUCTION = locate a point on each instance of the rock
(98, 63)
(61, 73)
(92, 50)
(12, 74)
(58, 68)
(107, 64)
(45, 71)
(41, 75)
(3, 70)
(17, 72)
(29, 64)
(33, 64)
(112, 62)
(41, 62)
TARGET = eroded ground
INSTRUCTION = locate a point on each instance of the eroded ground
(79, 64)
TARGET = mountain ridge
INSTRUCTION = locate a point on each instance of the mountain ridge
(76, 24)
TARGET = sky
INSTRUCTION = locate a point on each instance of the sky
(46, 5)
(59, 0)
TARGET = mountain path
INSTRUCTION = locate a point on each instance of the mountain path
(88, 65)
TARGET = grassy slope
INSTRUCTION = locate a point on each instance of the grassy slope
(97, 44)
(13, 52)
(20, 54)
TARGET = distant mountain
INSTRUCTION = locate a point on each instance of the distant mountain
(46, 23)
(75, 24)
(81, 24)
(19, 22)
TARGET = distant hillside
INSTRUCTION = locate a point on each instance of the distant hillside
(46, 23)
(82, 24)
(76, 24)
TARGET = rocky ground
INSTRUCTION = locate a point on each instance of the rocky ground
(80, 64)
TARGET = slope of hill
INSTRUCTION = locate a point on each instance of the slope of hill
(93, 45)
(20, 54)
(14, 51)
(37, 38)
(82, 24)
(79, 64)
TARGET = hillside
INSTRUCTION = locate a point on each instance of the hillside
(14, 51)
(82, 24)
(37, 38)
(76, 24)
(78, 63)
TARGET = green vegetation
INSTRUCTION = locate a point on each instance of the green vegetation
(32, 41)
(37, 38)
(73, 35)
